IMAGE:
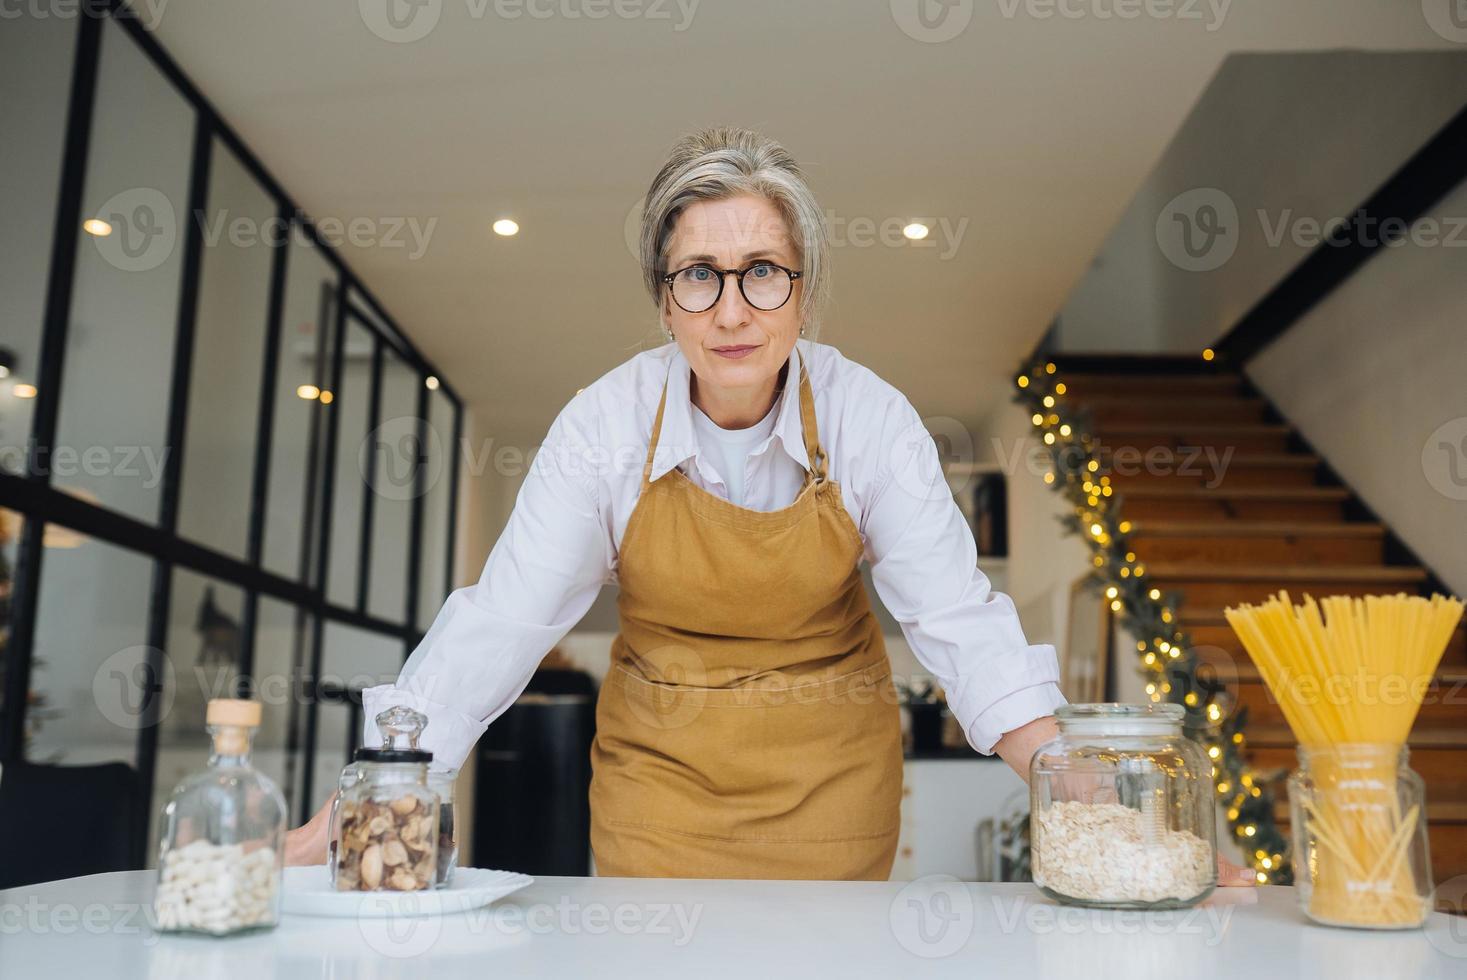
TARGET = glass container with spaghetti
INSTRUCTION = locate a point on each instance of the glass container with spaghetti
(1350, 674)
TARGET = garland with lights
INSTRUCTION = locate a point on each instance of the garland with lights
(1167, 659)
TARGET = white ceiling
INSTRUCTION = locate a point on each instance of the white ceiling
(1028, 133)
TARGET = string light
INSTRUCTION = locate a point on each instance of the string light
(1082, 477)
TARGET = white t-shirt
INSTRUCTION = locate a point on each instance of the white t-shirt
(728, 450)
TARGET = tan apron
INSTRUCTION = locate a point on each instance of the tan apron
(747, 727)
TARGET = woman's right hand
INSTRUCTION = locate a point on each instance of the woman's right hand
(307, 843)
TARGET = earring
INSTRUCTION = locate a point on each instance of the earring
(802, 330)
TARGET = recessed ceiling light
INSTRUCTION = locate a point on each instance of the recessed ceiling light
(308, 392)
(96, 226)
(916, 230)
(24, 391)
(431, 382)
(506, 227)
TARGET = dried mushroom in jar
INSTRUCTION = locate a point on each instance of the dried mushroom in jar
(386, 845)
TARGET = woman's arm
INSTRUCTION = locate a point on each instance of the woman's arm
(1017, 747)
(485, 643)
(540, 578)
(925, 568)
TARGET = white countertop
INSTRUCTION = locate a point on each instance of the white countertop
(753, 930)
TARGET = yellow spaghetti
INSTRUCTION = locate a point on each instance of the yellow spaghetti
(1349, 675)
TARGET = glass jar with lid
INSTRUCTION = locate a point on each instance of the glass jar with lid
(221, 852)
(441, 779)
(1121, 809)
(385, 823)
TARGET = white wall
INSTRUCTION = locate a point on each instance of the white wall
(1044, 560)
(1284, 136)
(1371, 375)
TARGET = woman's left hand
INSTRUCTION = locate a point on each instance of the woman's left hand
(1230, 875)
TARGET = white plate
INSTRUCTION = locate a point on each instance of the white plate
(308, 891)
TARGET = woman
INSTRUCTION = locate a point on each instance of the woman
(730, 482)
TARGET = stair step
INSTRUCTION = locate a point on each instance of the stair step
(1446, 833)
(1233, 668)
(1280, 736)
(1240, 438)
(1440, 812)
(1169, 411)
(1210, 631)
(1213, 471)
(1443, 709)
(1161, 502)
(1209, 584)
(1443, 769)
(1241, 542)
(1087, 385)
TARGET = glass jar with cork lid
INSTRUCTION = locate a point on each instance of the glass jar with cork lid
(221, 851)
(385, 823)
(1121, 809)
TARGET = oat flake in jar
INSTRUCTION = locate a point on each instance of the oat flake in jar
(1121, 809)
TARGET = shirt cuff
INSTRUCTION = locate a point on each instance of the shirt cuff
(450, 735)
(1013, 711)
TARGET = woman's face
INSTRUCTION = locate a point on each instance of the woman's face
(733, 345)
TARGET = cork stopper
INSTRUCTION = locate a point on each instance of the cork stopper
(233, 711)
(233, 721)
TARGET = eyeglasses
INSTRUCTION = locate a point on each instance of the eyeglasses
(764, 285)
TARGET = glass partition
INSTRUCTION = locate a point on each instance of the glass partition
(143, 610)
(35, 75)
(238, 227)
(433, 581)
(351, 403)
(203, 645)
(306, 323)
(391, 454)
(118, 368)
(89, 672)
(281, 656)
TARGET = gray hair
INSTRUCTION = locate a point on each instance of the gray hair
(724, 162)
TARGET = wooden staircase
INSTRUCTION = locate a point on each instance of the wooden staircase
(1228, 504)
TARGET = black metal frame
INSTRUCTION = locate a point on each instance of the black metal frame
(40, 503)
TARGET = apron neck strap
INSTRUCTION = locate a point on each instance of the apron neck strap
(807, 426)
(656, 433)
(807, 423)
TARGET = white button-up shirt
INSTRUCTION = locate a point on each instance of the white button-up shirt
(562, 543)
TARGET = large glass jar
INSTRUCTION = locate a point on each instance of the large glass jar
(1361, 857)
(1121, 809)
(222, 848)
(441, 780)
(385, 823)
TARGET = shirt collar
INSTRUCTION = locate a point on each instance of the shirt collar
(679, 442)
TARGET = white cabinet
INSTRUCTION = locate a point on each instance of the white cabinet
(944, 802)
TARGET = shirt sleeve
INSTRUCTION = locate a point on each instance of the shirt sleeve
(540, 578)
(925, 568)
